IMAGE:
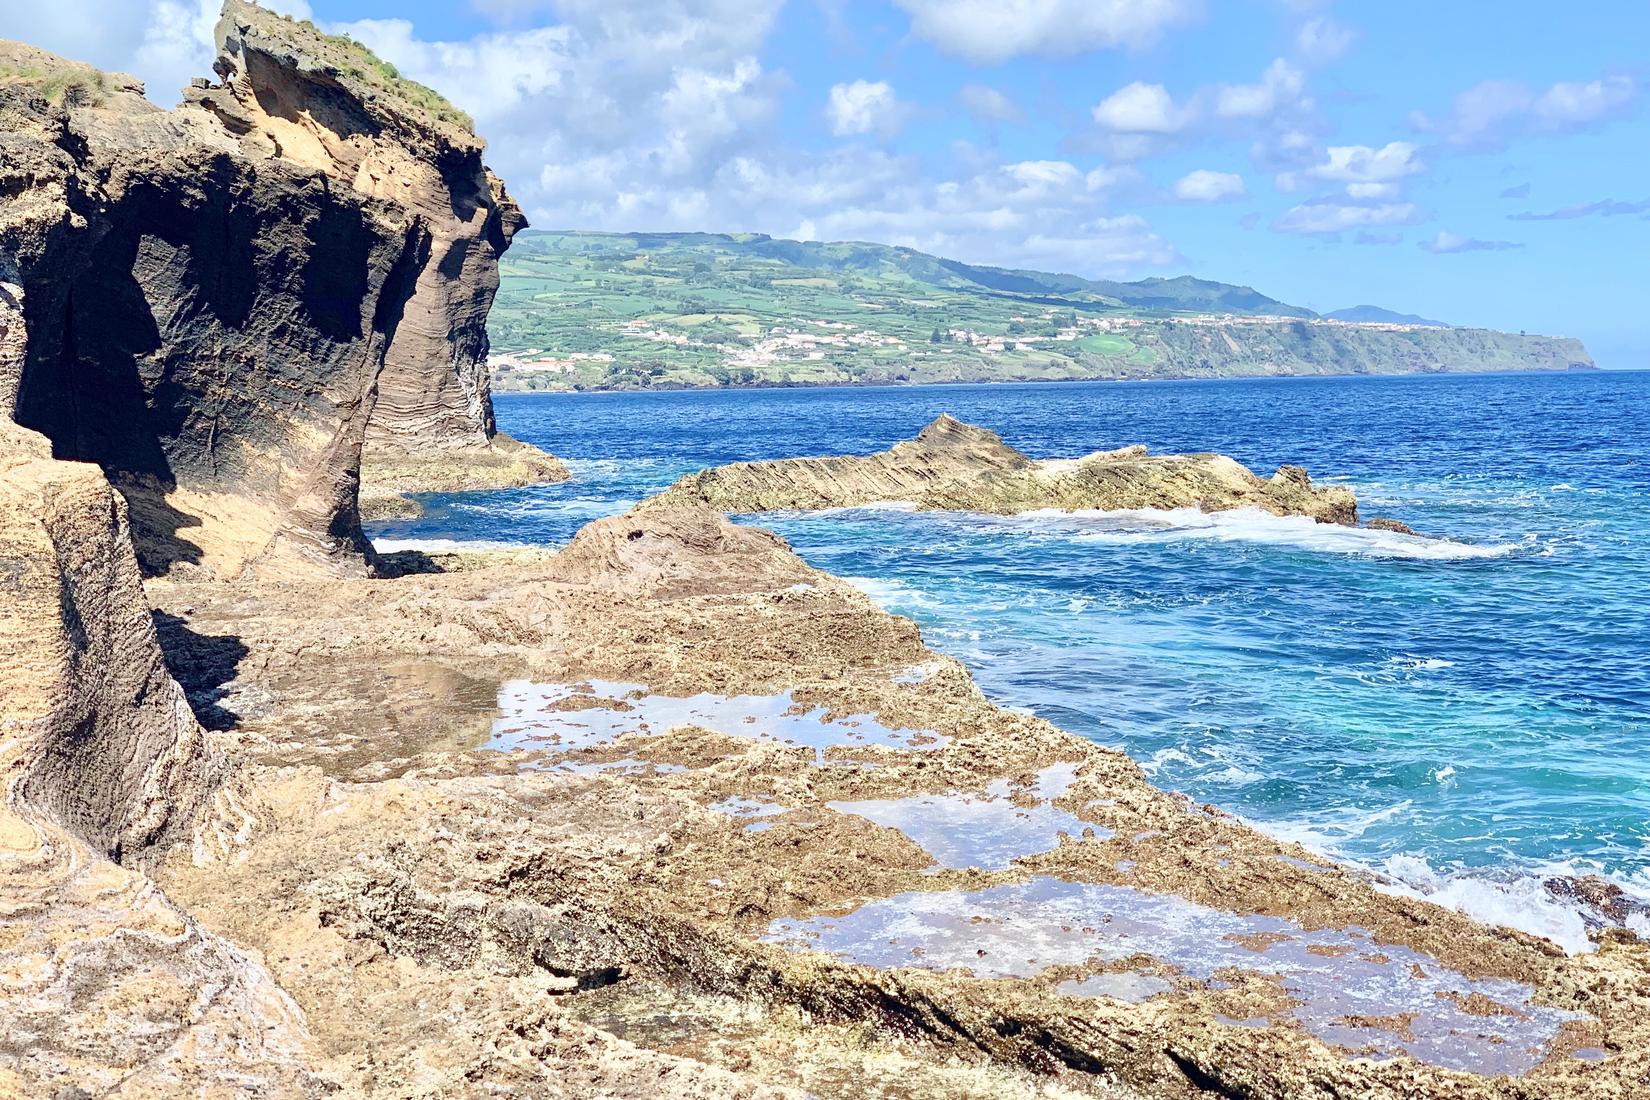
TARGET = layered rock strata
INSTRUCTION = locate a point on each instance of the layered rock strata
(206, 328)
(220, 299)
(955, 466)
(296, 94)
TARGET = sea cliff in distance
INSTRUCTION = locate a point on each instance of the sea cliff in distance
(673, 310)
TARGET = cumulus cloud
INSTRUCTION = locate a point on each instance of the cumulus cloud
(863, 107)
(1365, 164)
(1282, 84)
(1330, 216)
(987, 105)
(1321, 40)
(1447, 242)
(1141, 119)
(1142, 108)
(992, 31)
(1608, 208)
(1368, 191)
(1492, 113)
(1204, 185)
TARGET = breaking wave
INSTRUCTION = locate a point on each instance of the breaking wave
(1252, 525)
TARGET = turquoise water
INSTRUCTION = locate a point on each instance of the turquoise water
(1462, 712)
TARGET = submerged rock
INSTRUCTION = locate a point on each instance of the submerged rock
(1397, 527)
(956, 466)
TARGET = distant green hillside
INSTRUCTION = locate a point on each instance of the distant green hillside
(1377, 315)
(595, 310)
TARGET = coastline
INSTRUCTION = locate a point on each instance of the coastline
(745, 387)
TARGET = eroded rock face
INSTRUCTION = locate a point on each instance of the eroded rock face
(206, 327)
(107, 985)
(223, 301)
(952, 465)
(295, 94)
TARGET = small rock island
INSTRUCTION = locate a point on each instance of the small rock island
(954, 466)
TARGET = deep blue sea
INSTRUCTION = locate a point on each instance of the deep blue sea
(1464, 713)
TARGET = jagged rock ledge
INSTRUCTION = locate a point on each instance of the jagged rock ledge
(956, 466)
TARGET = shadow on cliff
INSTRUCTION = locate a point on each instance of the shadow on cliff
(204, 664)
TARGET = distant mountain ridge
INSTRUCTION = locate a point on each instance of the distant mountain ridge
(1182, 293)
(583, 310)
(1367, 314)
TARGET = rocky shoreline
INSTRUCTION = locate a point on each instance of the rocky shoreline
(665, 813)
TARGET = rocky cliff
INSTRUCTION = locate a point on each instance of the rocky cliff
(957, 466)
(222, 302)
(205, 326)
(323, 102)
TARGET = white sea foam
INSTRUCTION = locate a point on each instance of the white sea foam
(1420, 664)
(1144, 525)
(1522, 901)
(892, 594)
(444, 546)
(1512, 898)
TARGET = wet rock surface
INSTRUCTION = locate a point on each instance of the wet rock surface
(955, 466)
(677, 797)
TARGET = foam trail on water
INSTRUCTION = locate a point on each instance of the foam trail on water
(1141, 525)
(444, 546)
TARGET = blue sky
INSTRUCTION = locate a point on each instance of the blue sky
(1482, 163)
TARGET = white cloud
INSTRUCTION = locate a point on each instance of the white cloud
(862, 107)
(991, 31)
(1326, 217)
(1321, 40)
(1281, 85)
(1491, 113)
(1203, 185)
(1370, 191)
(1446, 242)
(987, 104)
(1568, 105)
(1141, 108)
(1364, 164)
(1143, 119)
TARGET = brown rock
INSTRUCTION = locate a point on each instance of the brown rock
(952, 465)
(1382, 523)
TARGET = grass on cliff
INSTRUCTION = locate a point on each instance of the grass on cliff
(356, 61)
(70, 87)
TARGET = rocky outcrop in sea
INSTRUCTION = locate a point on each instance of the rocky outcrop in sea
(955, 466)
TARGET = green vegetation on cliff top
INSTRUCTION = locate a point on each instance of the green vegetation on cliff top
(597, 310)
(348, 58)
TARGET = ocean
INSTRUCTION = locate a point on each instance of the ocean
(1465, 714)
